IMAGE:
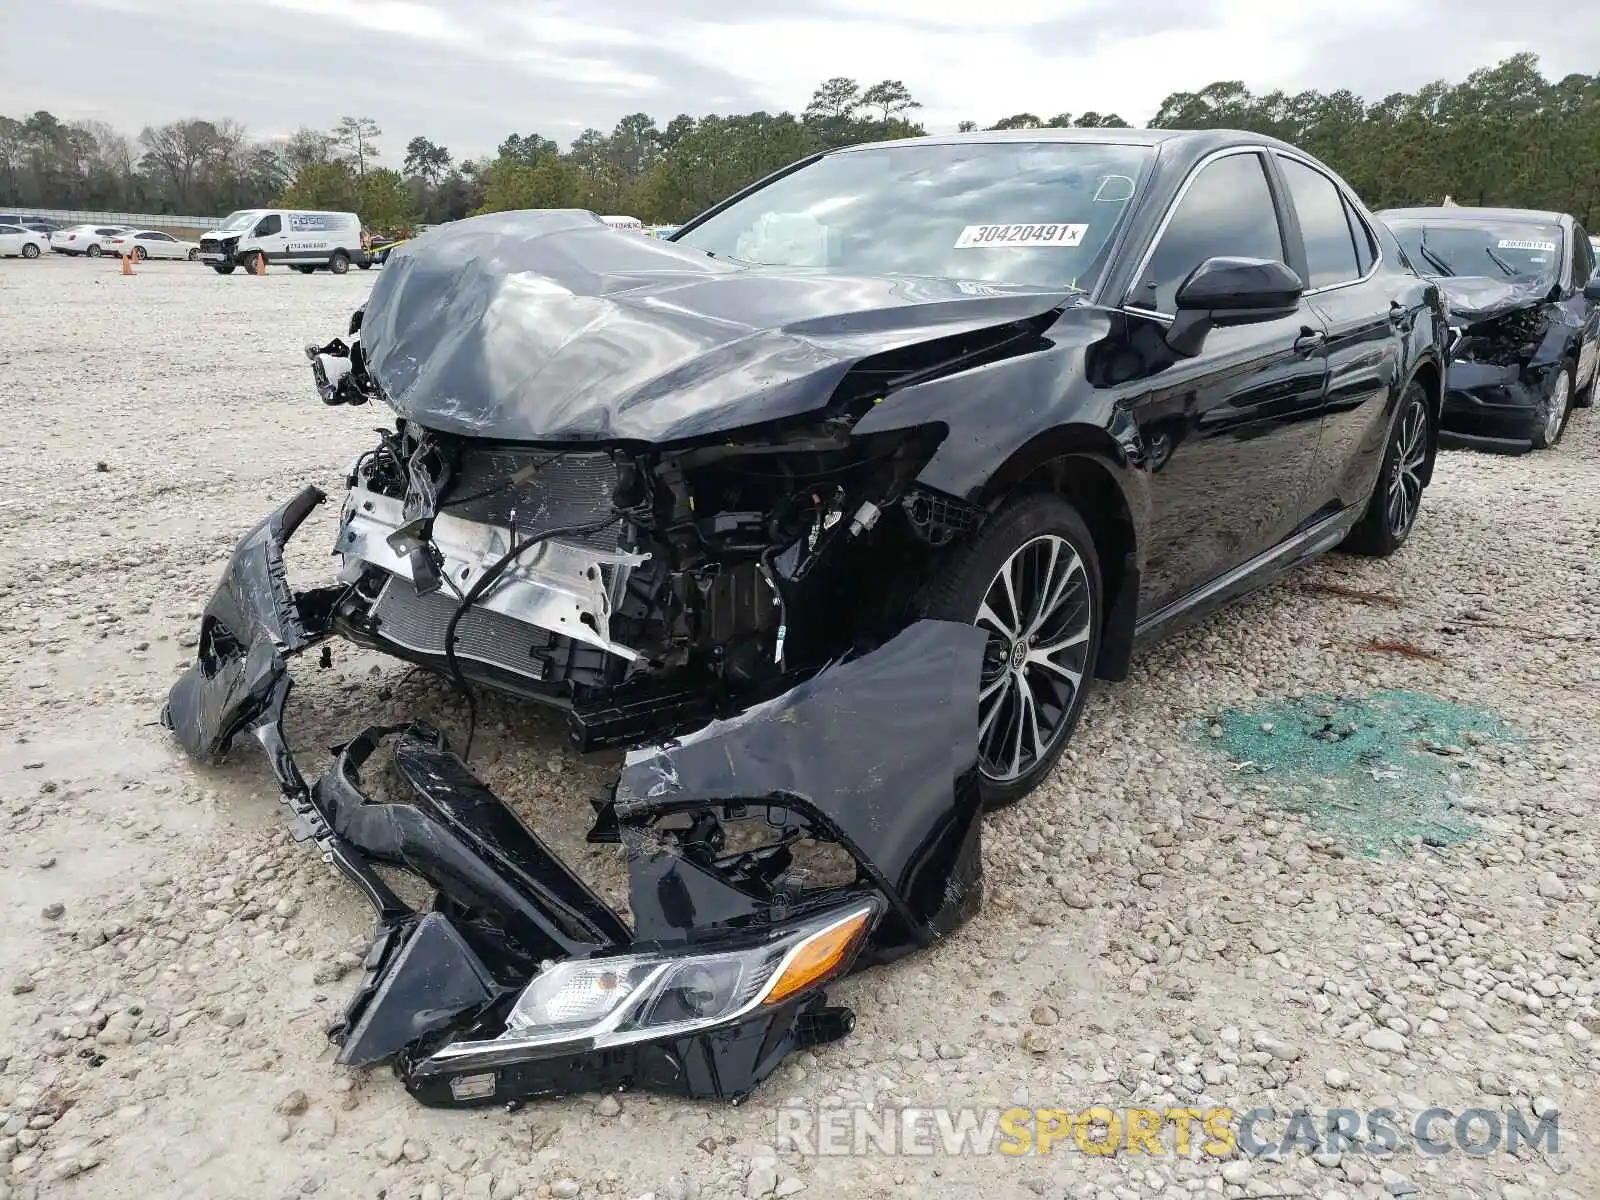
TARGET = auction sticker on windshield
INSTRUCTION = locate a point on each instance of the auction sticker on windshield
(1020, 235)
(1525, 244)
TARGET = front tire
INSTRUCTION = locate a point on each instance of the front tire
(223, 268)
(1397, 496)
(1555, 410)
(1031, 579)
(339, 263)
(30, 251)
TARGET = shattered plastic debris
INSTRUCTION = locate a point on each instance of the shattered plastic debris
(876, 755)
(1386, 768)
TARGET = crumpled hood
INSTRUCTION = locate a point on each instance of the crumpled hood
(551, 326)
(1473, 298)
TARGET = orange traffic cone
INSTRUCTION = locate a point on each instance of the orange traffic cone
(127, 261)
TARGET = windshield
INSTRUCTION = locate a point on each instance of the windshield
(1508, 249)
(242, 219)
(1039, 213)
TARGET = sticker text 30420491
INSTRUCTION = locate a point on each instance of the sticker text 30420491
(1049, 234)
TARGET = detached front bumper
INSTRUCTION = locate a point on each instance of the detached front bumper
(1493, 407)
(521, 981)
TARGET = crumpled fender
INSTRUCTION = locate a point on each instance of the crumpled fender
(877, 755)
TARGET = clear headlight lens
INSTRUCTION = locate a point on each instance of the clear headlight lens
(633, 996)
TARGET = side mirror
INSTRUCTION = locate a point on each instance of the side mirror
(1591, 290)
(1231, 291)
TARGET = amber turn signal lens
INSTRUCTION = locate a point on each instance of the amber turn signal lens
(820, 956)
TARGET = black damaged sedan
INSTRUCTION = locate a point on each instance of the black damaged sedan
(832, 506)
(1524, 301)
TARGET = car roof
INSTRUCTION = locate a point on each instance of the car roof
(1457, 212)
(1195, 141)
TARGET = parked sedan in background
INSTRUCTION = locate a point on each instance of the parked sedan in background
(36, 224)
(151, 243)
(91, 240)
(1524, 314)
(17, 240)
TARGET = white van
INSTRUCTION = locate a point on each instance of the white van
(306, 241)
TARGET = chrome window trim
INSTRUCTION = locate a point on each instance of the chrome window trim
(1183, 190)
(1166, 219)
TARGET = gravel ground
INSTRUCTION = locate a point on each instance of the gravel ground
(1161, 928)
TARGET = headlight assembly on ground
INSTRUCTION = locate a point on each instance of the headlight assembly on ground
(598, 1003)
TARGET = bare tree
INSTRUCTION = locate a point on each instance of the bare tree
(357, 135)
(307, 148)
(179, 152)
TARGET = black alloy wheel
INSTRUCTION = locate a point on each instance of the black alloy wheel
(1031, 580)
(1397, 496)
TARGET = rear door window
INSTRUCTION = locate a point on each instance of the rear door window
(1324, 225)
(1582, 257)
(1226, 211)
(1366, 248)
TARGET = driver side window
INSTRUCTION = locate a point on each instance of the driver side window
(1226, 211)
(269, 225)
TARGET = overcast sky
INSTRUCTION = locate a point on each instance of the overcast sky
(467, 72)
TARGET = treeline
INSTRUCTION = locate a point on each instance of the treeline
(1504, 135)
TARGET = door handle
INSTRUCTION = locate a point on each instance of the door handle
(1309, 341)
(1399, 315)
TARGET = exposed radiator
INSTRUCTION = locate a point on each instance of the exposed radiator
(418, 623)
(532, 490)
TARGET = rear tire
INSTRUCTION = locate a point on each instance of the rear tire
(339, 263)
(30, 251)
(1555, 410)
(93, 251)
(1397, 495)
(1031, 579)
(193, 254)
(139, 254)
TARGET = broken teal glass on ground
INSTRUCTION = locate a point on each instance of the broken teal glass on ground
(1384, 770)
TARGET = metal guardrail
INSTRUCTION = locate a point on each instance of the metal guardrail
(71, 216)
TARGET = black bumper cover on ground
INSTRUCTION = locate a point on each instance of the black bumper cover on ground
(875, 757)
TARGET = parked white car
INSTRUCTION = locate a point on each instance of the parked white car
(85, 239)
(151, 243)
(16, 239)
